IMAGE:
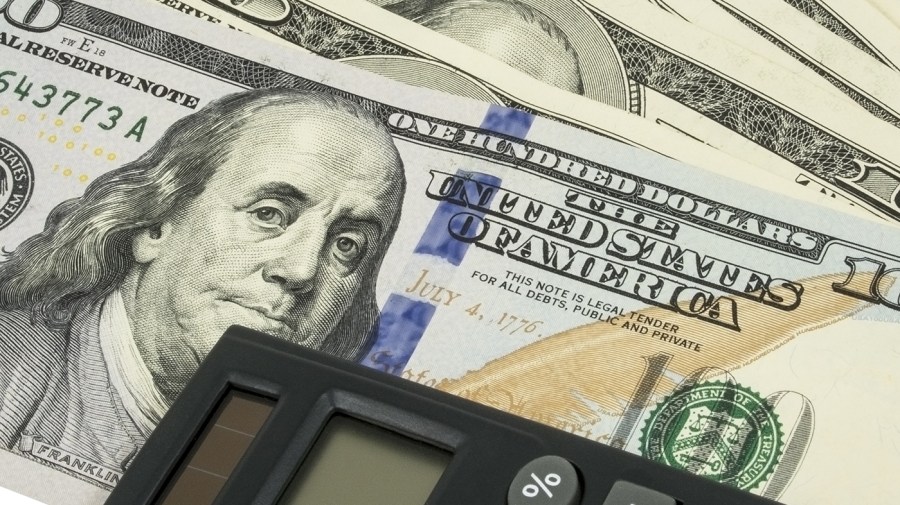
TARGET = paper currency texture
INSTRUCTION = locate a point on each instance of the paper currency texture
(864, 24)
(857, 73)
(575, 47)
(163, 179)
(645, 62)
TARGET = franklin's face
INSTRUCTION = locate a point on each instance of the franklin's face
(520, 44)
(278, 241)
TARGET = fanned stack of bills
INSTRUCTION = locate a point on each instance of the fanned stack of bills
(668, 226)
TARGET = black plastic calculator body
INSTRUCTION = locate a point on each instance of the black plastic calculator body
(267, 422)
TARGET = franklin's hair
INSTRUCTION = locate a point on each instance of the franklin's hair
(435, 14)
(84, 252)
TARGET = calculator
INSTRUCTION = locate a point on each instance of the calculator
(267, 422)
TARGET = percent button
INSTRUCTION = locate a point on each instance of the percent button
(548, 480)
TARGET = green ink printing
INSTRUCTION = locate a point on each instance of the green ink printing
(724, 432)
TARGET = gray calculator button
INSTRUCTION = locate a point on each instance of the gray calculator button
(548, 480)
(626, 493)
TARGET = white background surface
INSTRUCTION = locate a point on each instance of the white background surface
(8, 497)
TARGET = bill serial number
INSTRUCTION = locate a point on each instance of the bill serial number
(71, 103)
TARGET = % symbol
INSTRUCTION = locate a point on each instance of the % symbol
(532, 490)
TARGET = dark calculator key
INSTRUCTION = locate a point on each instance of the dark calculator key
(626, 493)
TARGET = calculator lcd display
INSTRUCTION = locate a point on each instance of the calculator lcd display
(357, 463)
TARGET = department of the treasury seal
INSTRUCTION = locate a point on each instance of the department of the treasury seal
(16, 182)
(721, 431)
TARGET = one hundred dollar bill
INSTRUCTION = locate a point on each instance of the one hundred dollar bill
(844, 147)
(421, 59)
(824, 55)
(712, 90)
(862, 24)
(870, 25)
(705, 15)
(696, 83)
(162, 179)
(855, 70)
(576, 54)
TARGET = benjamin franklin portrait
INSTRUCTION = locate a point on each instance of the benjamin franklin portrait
(271, 209)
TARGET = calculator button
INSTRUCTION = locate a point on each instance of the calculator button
(626, 493)
(548, 480)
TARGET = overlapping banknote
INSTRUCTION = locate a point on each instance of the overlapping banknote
(421, 57)
(780, 116)
(838, 52)
(162, 178)
(889, 9)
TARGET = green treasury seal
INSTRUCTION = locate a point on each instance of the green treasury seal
(16, 182)
(721, 431)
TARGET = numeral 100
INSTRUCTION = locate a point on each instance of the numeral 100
(872, 281)
(32, 15)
